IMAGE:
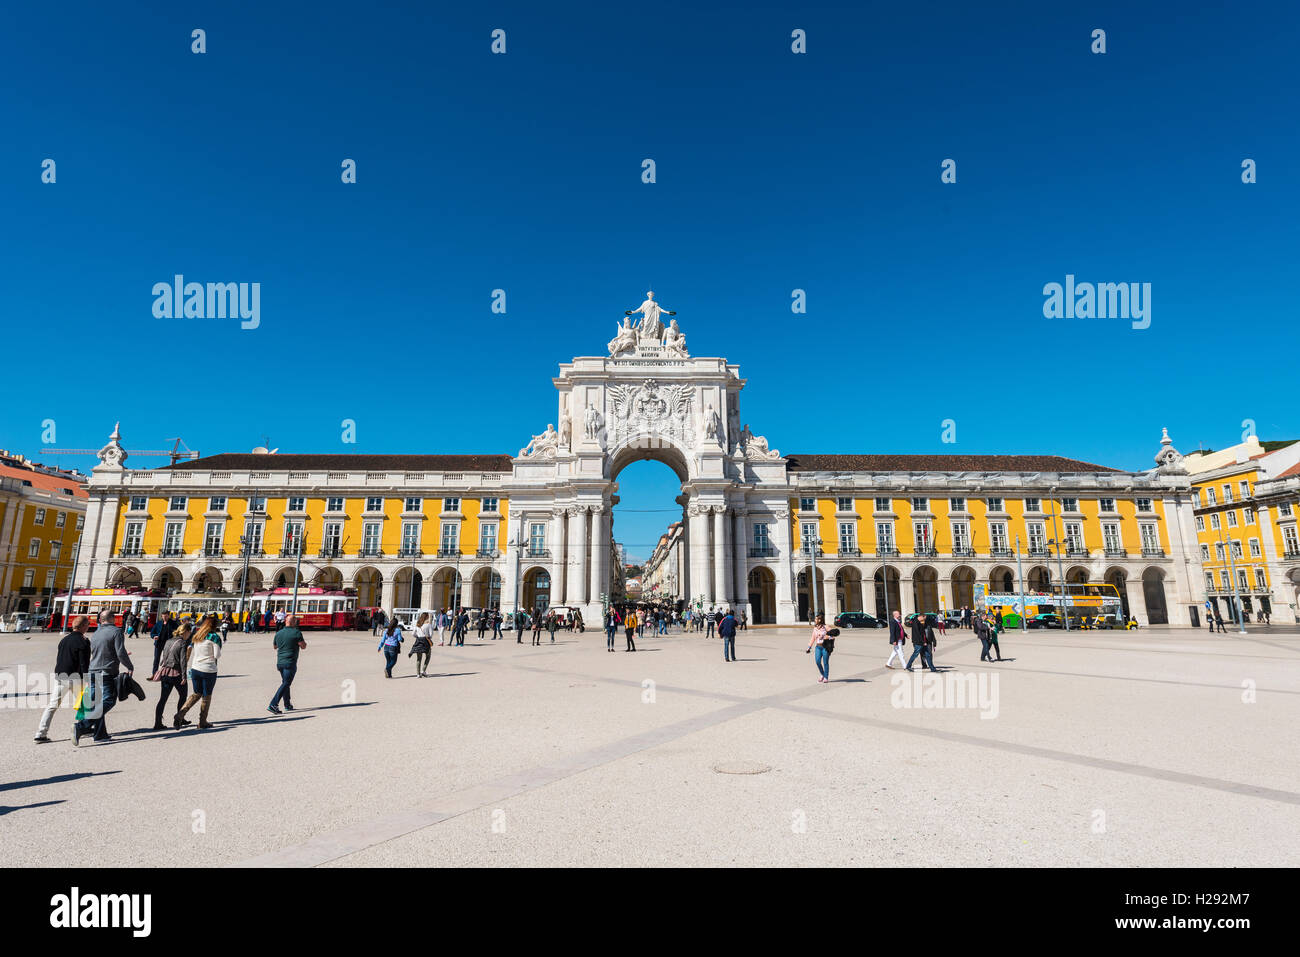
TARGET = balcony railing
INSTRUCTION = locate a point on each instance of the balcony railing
(410, 551)
(487, 553)
(538, 553)
(810, 550)
(1151, 552)
(171, 553)
(886, 551)
(762, 551)
(926, 551)
(1116, 553)
(964, 551)
(1076, 551)
(1000, 553)
(448, 552)
(370, 551)
(131, 553)
(1040, 552)
(331, 551)
(213, 551)
(850, 553)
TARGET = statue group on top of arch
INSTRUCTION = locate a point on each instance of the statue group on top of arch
(649, 330)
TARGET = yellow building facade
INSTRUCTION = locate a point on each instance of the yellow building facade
(42, 513)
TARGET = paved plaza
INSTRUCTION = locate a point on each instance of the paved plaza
(1162, 747)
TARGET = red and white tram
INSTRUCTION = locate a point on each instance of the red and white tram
(317, 607)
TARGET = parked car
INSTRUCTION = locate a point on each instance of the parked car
(857, 619)
(952, 618)
(932, 615)
(1113, 621)
(18, 621)
(1047, 619)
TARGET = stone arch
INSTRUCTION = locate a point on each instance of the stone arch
(127, 577)
(804, 597)
(1077, 575)
(485, 589)
(1039, 580)
(284, 577)
(646, 446)
(167, 579)
(254, 580)
(330, 579)
(762, 595)
(447, 588)
(369, 583)
(1119, 578)
(885, 582)
(536, 591)
(848, 589)
(1153, 590)
(207, 580)
(925, 588)
(963, 587)
(1002, 580)
(408, 587)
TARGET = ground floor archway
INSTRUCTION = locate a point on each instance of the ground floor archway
(925, 588)
(1119, 578)
(762, 596)
(1153, 590)
(1002, 581)
(485, 589)
(369, 583)
(963, 587)
(536, 592)
(888, 596)
(848, 590)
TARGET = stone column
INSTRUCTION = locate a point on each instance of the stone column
(721, 575)
(945, 592)
(740, 549)
(906, 593)
(781, 540)
(869, 606)
(599, 552)
(556, 544)
(699, 544)
(1137, 600)
(577, 578)
(390, 593)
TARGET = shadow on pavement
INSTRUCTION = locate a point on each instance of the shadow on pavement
(56, 779)
(23, 807)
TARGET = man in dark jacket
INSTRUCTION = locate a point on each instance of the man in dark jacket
(922, 639)
(982, 633)
(727, 632)
(161, 631)
(71, 666)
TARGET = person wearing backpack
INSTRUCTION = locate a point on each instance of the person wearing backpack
(391, 644)
(993, 630)
(822, 642)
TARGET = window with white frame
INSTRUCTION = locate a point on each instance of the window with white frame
(537, 538)
(807, 504)
(334, 503)
(1243, 583)
(885, 535)
(1110, 537)
(844, 504)
(1033, 505)
(374, 503)
(1150, 540)
(761, 541)
(1284, 510)
(1209, 581)
(450, 536)
(1226, 577)
(1106, 504)
(1236, 549)
(1037, 536)
(29, 578)
(172, 533)
(81, 522)
(848, 536)
(139, 503)
(1219, 552)
(60, 519)
(1232, 518)
(998, 536)
(1211, 497)
(922, 535)
(410, 537)
(134, 537)
(1144, 505)
(451, 504)
(957, 504)
(1074, 536)
(1290, 540)
(961, 536)
(1254, 548)
(920, 504)
(39, 518)
(49, 580)
(1227, 493)
(1196, 498)
(1205, 553)
(177, 503)
(1200, 523)
(1069, 505)
(1214, 521)
(217, 503)
(995, 504)
(883, 505)
(34, 548)
(490, 505)
(1250, 515)
(257, 504)
(1244, 485)
(297, 503)
(1261, 580)
(253, 537)
(333, 537)
(292, 538)
(370, 538)
(212, 537)
(413, 503)
(56, 549)
(487, 537)
(807, 534)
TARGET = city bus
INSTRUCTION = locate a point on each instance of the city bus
(94, 602)
(1085, 604)
(317, 607)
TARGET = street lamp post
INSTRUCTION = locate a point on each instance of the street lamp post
(297, 568)
(811, 547)
(1020, 575)
(1236, 598)
(1060, 570)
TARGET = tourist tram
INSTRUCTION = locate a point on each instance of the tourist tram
(1084, 602)
(317, 607)
(94, 602)
(198, 604)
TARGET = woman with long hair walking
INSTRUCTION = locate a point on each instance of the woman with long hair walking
(205, 651)
(171, 673)
(818, 644)
(391, 644)
(422, 646)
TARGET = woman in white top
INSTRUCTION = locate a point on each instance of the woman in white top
(205, 650)
(422, 646)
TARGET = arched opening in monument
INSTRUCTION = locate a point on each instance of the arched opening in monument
(1119, 578)
(536, 593)
(963, 587)
(805, 597)
(1039, 580)
(648, 536)
(369, 583)
(848, 590)
(446, 590)
(925, 589)
(1002, 581)
(485, 589)
(408, 586)
(1153, 590)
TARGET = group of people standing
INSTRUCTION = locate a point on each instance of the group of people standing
(98, 669)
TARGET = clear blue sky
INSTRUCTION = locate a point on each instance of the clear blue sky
(775, 172)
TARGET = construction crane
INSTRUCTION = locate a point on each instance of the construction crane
(178, 452)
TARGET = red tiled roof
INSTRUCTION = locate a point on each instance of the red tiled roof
(344, 462)
(44, 480)
(1293, 470)
(941, 463)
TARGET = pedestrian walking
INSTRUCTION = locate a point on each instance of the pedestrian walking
(482, 623)
(205, 652)
(442, 627)
(161, 631)
(537, 626)
(922, 642)
(710, 620)
(611, 627)
(897, 641)
(422, 646)
(391, 644)
(552, 622)
(288, 641)
(982, 633)
(107, 658)
(629, 626)
(994, 631)
(71, 666)
(727, 631)
(817, 644)
(497, 618)
(170, 674)
(377, 622)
